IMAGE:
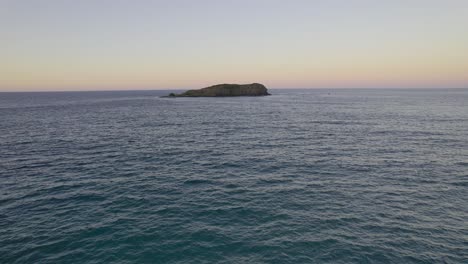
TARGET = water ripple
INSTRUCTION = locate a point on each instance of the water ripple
(303, 176)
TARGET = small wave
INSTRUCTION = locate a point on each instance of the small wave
(461, 183)
(197, 182)
(273, 181)
(231, 186)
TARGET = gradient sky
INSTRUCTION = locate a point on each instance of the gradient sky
(115, 44)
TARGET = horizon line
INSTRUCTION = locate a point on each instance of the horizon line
(276, 88)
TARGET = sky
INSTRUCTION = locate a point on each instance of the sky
(48, 45)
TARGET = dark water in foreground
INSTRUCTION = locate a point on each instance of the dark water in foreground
(303, 176)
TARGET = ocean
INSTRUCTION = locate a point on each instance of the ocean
(302, 176)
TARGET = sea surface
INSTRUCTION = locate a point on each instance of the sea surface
(302, 176)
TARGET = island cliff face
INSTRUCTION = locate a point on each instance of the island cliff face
(254, 89)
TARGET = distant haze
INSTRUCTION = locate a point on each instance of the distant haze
(175, 44)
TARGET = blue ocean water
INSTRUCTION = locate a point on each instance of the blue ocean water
(302, 176)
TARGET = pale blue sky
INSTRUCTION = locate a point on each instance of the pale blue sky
(70, 45)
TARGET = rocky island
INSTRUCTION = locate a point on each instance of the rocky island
(254, 89)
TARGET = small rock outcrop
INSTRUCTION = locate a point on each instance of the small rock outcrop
(254, 89)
